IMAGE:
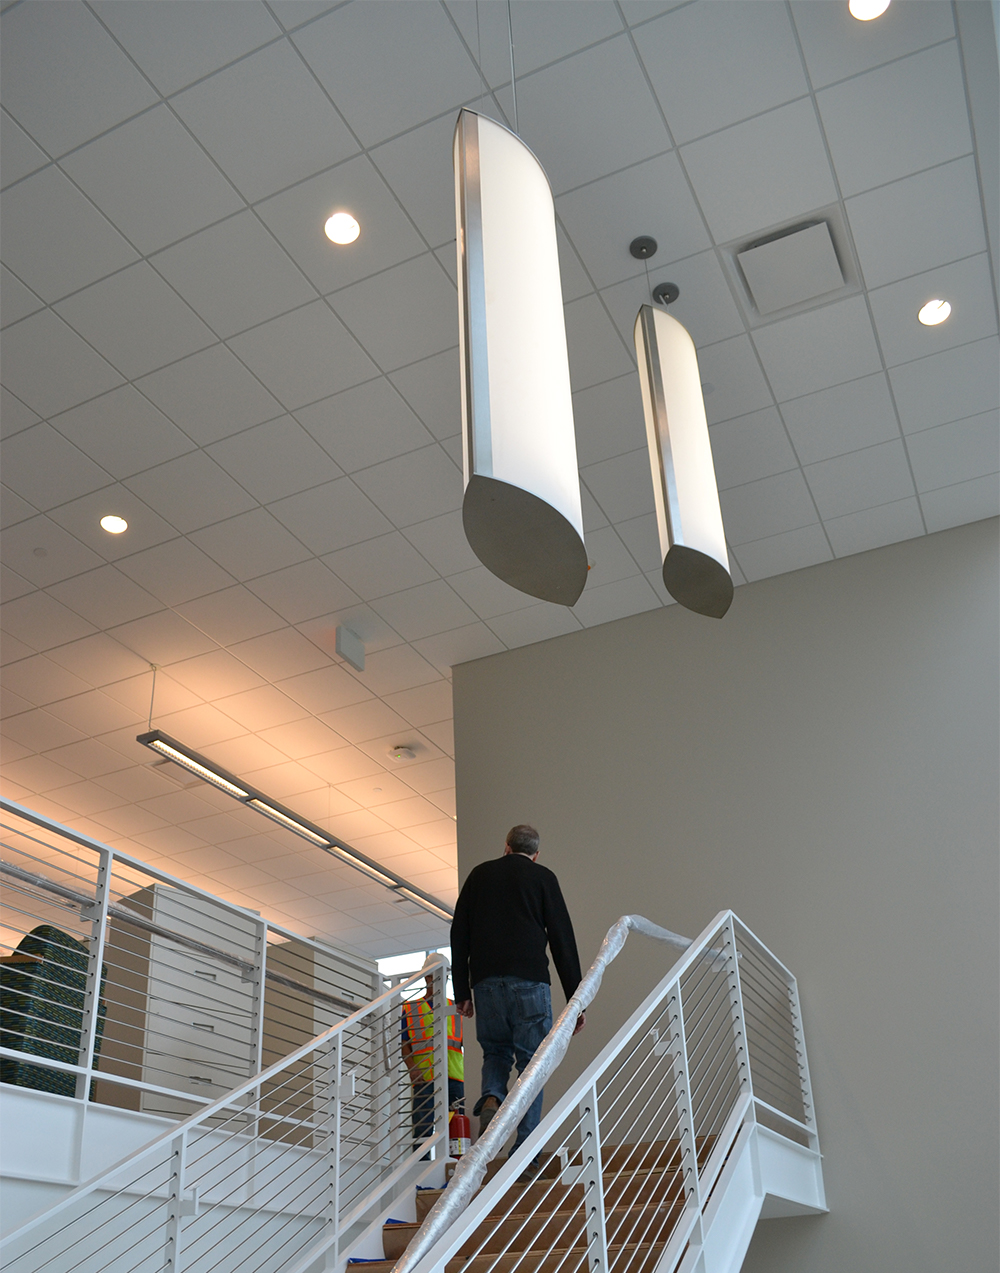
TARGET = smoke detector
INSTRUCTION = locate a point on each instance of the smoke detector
(402, 752)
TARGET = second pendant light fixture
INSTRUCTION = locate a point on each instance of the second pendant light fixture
(522, 511)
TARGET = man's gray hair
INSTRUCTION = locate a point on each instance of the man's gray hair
(523, 839)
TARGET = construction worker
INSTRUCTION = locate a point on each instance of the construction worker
(418, 1056)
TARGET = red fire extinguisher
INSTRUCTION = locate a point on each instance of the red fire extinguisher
(459, 1134)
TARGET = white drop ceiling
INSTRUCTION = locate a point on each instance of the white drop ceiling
(278, 418)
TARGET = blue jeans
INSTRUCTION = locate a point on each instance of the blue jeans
(512, 1017)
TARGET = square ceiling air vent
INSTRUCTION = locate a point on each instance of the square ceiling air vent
(788, 270)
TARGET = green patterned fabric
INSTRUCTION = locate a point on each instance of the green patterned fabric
(41, 1009)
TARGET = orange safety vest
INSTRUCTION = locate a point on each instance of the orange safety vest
(419, 1018)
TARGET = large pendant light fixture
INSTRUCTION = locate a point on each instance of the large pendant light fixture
(521, 512)
(692, 539)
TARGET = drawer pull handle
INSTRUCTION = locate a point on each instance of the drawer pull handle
(202, 1025)
(203, 972)
(200, 1081)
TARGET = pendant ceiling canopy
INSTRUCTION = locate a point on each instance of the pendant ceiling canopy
(692, 538)
(521, 512)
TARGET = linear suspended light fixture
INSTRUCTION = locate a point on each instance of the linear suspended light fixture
(522, 512)
(207, 770)
(692, 538)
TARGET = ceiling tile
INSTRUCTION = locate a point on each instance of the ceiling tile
(14, 415)
(401, 668)
(191, 491)
(542, 33)
(778, 163)
(162, 639)
(152, 180)
(862, 479)
(323, 689)
(105, 596)
(423, 68)
(912, 225)
(41, 466)
(41, 681)
(260, 708)
(20, 154)
(361, 722)
(214, 674)
(418, 168)
(364, 425)
(767, 507)
(731, 380)
(425, 610)
(791, 550)
(41, 622)
(280, 654)
(956, 505)
(123, 432)
(608, 419)
(12, 584)
(178, 43)
(136, 321)
(370, 628)
(210, 395)
(82, 518)
(919, 103)
(37, 246)
(250, 544)
(304, 591)
(749, 447)
(266, 121)
(641, 537)
(306, 737)
(234, 275)
(447, 649)
(174, 572)
(342, 767)
(538, 622)
(297, 218)
(380, 566)
(947, 386)
(843, 418)
(615, 600)
(88, 758)
(966, 284)
(738, 60)
(304, 356)
(413, 488)
(13, 509)
(596, 352)
(424, 704)
(875, 527)
(16, 300)
(595, 145)
(432, 775)
(331, 516)
(836, 45)
(43, 552)
(486, 594)
(38, 774)
(622, 486)
(822, 347)
(234, 614)
(956, 452)
(609, 558)
(705, 305)
(48, 366)
(274, 459)
(401, 314)
(432, 388)
(651, 198)
(11, 649)
(443, 734)
(44, 50)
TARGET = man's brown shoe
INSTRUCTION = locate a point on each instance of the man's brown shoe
(489, 1108)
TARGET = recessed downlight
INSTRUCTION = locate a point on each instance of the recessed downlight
(934, 312)
(114, 525)
(865, 10)
(342, 228)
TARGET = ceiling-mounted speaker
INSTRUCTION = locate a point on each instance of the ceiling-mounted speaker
(692, 538)
(522, 511)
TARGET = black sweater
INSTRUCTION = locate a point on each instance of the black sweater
(507, 910)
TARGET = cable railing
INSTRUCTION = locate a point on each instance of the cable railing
(290, 1167)
(127, 987)
(626, 1172)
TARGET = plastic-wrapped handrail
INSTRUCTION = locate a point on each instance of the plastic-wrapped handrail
(471, 1169)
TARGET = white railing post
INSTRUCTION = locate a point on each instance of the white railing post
(178, 1207)
(95, 965)
(592, 1179)
(335, 1106)
(257, 1007)
(682, 1079)
(803, 1062)
(736, 1011)
(439, 982)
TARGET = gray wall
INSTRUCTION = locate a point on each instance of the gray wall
(824, 761)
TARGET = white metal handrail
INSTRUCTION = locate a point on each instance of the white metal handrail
(641, 1139)
(291, 1164)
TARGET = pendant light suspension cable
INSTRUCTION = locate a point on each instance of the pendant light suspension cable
(513, 80)
(152, 695)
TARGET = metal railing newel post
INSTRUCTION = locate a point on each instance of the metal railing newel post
(440, 988)
(335, 1106)
(95, 963)
(178, 1207)
(803, 1062)
(736, 1011)
(682, 1081)
(592, 1179)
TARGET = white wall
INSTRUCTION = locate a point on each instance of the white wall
(824, 761)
